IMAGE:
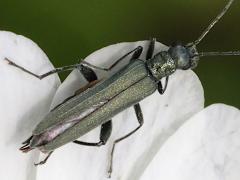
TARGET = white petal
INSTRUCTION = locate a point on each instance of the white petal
(24, 100)
(163, 115)
(205, 147)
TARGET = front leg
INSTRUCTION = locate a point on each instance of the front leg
(41, 76)
(161, 90)
(136, 53)
(84, 67)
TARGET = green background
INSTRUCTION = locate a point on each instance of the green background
(68, 30)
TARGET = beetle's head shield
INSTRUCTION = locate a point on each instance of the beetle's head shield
(161, 65)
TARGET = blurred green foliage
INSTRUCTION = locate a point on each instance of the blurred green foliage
(69, 30)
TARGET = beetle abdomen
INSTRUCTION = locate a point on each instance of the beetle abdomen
(53, 132)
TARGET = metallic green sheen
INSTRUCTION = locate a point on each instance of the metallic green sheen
(125, 88)
(161, 65)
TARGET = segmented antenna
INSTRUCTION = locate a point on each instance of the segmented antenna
(219, 16)
(227, 53)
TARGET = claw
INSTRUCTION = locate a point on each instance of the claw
(8, 61)
(45, 160)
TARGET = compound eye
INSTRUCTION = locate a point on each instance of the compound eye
(194, 62)
(192, 51)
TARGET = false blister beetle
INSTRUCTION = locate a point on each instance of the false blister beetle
(100, 100)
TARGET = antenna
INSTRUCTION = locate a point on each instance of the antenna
(219, 16)
(227, 53)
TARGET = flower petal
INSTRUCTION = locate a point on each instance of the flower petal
(205, 147)
(24, 100)
(163, 115)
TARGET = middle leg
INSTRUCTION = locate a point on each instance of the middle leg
(106, 128)
(105, 133)
(140, 119)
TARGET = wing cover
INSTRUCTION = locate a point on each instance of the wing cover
(125, 88)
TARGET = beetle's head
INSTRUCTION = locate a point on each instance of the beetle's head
(185, 57)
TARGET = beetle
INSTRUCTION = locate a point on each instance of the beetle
(100, 100)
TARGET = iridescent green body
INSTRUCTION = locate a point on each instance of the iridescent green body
(124, 89)
(101, 100)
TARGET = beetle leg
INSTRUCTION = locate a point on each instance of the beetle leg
(105, 133)
(57, 70)
(83, 66)
(161, 90)
(151, 48)
(45, 160)
(140, 119)
(88, 73)
(136, 53)
(86, 68)
(91, 76)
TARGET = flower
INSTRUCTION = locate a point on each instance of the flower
(178, 141)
